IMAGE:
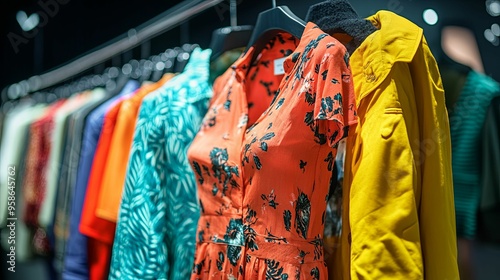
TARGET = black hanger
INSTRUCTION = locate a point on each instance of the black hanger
(135, 71)
(139, 70)
(145, 69)
(271, 22)
(170, 57)
(104, 78)
(118, 76)
(149, 68)
(157, 68)
(338, 16)
(231, 37)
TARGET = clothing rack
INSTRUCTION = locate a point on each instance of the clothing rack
(133, 38)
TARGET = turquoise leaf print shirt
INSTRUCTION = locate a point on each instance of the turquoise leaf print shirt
(155, 233)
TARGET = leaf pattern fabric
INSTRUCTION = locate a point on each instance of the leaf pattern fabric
(261, 160)
(155, 235)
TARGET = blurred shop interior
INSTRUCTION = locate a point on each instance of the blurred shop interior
(53, 48)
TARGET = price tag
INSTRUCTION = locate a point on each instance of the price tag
(278, 66)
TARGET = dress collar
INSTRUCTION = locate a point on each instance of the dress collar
(311, 32)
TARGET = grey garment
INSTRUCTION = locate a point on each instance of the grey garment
(67, 177)
(67, 174)
(59, 228)
(489, 215)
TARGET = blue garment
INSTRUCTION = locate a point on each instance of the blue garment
(75, 260)
(159, 211)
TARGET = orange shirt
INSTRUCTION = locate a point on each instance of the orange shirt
(115, 169)
(264, 168)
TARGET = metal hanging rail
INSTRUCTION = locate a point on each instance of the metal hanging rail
(134, 37)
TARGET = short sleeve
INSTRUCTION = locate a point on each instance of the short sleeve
(335, 107)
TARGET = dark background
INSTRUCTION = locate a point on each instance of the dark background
(82, 25)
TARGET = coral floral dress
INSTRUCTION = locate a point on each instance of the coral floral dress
(264, 156)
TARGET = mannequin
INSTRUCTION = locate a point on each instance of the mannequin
(460, 44)
(460, 56)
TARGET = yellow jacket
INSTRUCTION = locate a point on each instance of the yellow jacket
(398, 212)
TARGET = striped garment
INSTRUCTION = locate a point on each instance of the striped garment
(466, 122)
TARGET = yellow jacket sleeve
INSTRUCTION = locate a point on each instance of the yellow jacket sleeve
(436, 208)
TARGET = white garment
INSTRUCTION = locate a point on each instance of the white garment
(10, 151)
(16, 129)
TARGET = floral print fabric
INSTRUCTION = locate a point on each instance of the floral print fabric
(264, 158)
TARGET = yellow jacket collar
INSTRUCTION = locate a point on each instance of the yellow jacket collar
(396, 40)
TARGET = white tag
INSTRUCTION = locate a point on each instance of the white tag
(278, 66)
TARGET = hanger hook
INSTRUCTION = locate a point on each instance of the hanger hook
(232, 11)
(274, 3)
